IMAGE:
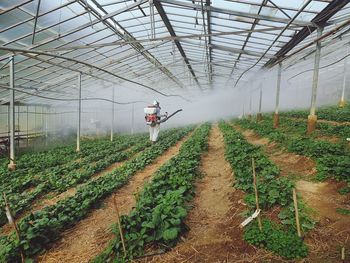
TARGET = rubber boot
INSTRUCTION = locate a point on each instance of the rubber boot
(311, 123)
(276, 120)
(342, 103)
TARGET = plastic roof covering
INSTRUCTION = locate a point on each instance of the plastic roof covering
(120, 33)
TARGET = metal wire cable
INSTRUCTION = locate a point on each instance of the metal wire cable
(60, 99)
(308, 70)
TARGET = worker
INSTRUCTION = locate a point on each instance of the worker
(153, 118)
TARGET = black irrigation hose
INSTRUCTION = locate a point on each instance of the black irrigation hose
(308, 70)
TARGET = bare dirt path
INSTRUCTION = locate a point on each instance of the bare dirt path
(333, 229)
(92, 234)
(290, 164)
(214, 235)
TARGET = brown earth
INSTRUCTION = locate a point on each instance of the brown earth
(290, 164)
(214, 234)
(91, 235)
(333, 229)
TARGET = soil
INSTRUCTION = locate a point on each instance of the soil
(290, 164)
(91, 235)
(214, 234)
(333, 229)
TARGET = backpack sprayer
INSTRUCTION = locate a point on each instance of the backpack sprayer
(151, 116)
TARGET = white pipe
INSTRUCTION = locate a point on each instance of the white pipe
(79, 113)
(344, 77)
(112, 121)
(12, 164)
(316, 71)
(279, 73)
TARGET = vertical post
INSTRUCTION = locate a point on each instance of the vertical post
(312, 118)
(12, 164)
(46, 118)
(296, 212)
(54, 126)
(342, 98)
(18, 130)
(132, 119)
(79, 112)
(8, 121)
(112, 121)
(151, 12)
(276, 114)
(256, 194)
(259, 115)
(250, 106)
(35, 134)
(27, 127)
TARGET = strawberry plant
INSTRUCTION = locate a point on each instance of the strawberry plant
(44, 226)
(273, 191)
(60, 178)
(332, 159)
(162, 206)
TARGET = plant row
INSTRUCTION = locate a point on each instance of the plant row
(300, 126)
(279, 237)
(36, 161)
(161, 207)
(25, 177)
(42, 227)
(31, 179)
(333, 113)
(332, 159)
(59, 181)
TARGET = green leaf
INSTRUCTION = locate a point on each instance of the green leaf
(171, 233)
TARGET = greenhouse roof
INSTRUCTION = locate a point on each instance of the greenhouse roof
(167, 46)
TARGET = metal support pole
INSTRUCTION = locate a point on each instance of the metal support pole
(312, 118)
(8, 121)
(112, 121)
(276, 115)
(259, 115)
(342, 99)
(35, 21)
(27, 127)
(151, 14)
(46, 125)
(250, 106)
(132, 119)
(79, 113)
(18, 129)
(42, 125)
(12, 164)
(35, 129)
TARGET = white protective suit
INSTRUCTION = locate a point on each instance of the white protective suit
(154, 130)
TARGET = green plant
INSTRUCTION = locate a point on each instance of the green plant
(161, 207)
(343, 211)
(43, 226)
(274, 238)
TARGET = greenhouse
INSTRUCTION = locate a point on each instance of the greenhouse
(174, 131)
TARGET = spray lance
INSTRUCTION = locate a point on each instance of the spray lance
(168, 116)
